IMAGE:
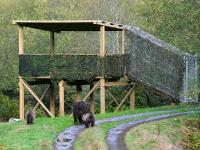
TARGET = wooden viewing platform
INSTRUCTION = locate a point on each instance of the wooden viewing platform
(72, 69)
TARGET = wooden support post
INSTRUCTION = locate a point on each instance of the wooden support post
(21, 86)
(92, 99)
(61, 98)
(21, 40)
(78, 93)
(102, 80)
(52, 99)
(102, 41)
(102, 96)
(21, 99)
(52, 48)
(123, 38)
(132, 100)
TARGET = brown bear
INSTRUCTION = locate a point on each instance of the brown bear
(88, 119)
(30, 117)
(79, 108)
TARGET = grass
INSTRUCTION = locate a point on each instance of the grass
(33, 137)
(104, 128)
(42, 134)
(165, 134)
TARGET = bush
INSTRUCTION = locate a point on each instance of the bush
(191, 134)
(8, 108)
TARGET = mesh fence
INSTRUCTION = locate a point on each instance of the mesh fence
(190, 84)
(154, 62)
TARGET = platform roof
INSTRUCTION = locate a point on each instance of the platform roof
(69, 25)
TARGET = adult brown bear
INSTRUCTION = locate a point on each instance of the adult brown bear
(79, 109)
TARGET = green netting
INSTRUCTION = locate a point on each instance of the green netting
(34, 65)
(154, 62)
(115, 65)
(73, 67)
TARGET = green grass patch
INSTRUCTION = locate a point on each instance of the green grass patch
(42, 133)
(164, 134)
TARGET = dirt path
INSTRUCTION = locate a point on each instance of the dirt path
(116, 135)
(65, 139)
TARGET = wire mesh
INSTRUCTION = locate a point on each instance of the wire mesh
(190, 81)
(154, 62)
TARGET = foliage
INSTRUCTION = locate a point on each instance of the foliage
(173, 21)
(191, 134)
(8, 108)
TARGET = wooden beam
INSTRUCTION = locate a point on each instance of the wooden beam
(113, 97)
(93, 88)
(108, 84)
(123, 39)
(61, 98)
(21, 40)
(92, 99)
(42, 97)
(132, 100)
(78, 93)
(52, 48)
(52, 99)
(36, 97)
(102, 96)
(123, 100)
(21, 99)
(102, 41)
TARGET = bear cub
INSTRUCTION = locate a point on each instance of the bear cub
(88, 119)
(30, 117)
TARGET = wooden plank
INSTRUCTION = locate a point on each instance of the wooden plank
(21, 98)
(21, 40)
(61, 98)
(94, 87)
(102, 41)
(102, 96)
(123, 100)
(113, 97)
(52, 99)
(36, 97)
(109, 84)
(123, 39)
(42, 97)
(92, 99)
(132, 100)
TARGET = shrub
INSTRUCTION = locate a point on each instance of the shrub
(8, 108)
(191, 134)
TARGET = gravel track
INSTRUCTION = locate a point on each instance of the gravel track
(116, 135)
(65, 139)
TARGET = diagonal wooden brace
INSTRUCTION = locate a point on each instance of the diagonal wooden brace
(113, 97)
(123, 100)
(36, 97)
(41, 98)
(94, 87)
